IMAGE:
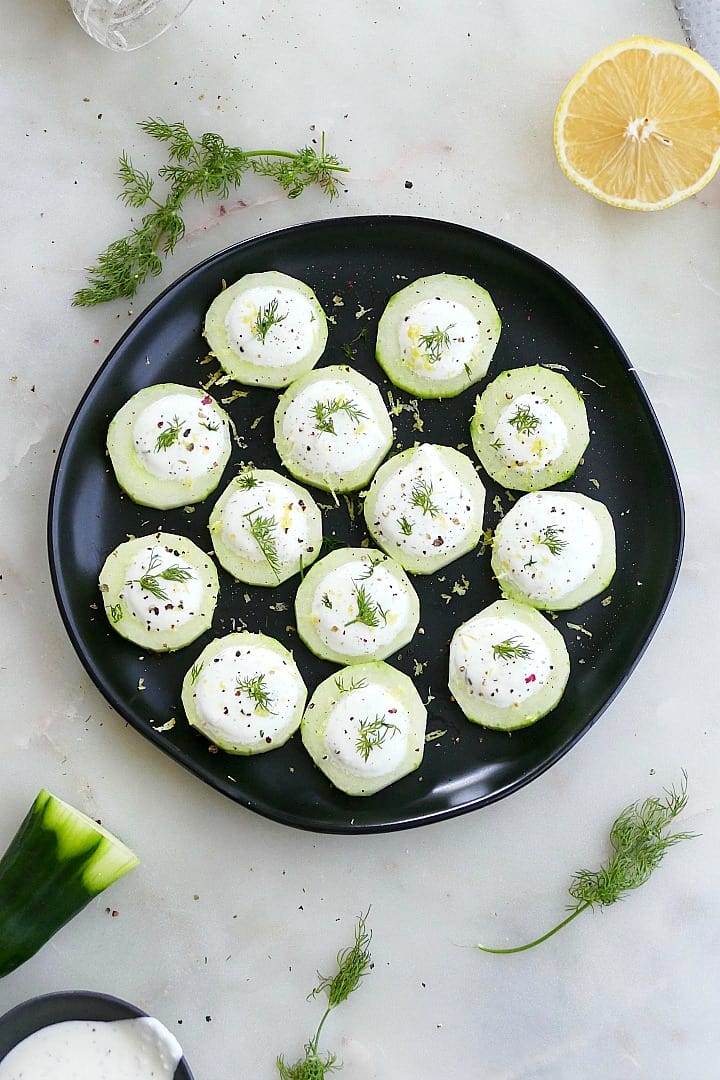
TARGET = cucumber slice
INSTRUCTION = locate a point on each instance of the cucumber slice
(58, 860)
(554, 550)
(356, 605)
(267, 329)
(365, 728)
(169, 445)
(437, 336)
(425, 507)
(244, 693)
(159, 591)
(530, 428)
(508, 666)
(265, 528)
(332, 429)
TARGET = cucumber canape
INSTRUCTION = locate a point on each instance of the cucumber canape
(356, 605)
(332, 429)
(508, 666)
(265, 528)
(437, 336)
(58, 860)
(530, 428)
(169, 445)
(365, 728)
(244, 693)
(266, 329)
(425, 507)
(159, 591)
(554, 550)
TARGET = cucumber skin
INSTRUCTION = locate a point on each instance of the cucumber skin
(40, 890)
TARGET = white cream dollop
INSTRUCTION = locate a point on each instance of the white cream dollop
(500, 660)
(330, 427)
(437, 338)
(180, 436)
(548, 545)
(133, 1049)
(424, 507)
(529, 433)
(162, 590)
(267, 498)
(246, 695)
(367, 731)
(289, 316)
(335, 608)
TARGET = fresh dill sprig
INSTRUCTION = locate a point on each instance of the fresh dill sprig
(246, 480)
(421, 497)
(353, 964)
(369, 612)
(195, 671)
(343, 689)
(266, 318)
(550, 537)
(435, 342)
(326, 601)
(639, 840)
(195, 168)
(511, 649)
(524, 420)
(405, 526)
(373, 733)
(323, 412)
(497, 445)
(254, 687)
(169, 435)
(150, 580)
(262, 529)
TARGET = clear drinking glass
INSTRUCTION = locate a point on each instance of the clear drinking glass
(127, 24)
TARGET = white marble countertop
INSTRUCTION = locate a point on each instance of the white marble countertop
(220, 932)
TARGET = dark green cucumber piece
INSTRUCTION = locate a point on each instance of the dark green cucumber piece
(57, 862)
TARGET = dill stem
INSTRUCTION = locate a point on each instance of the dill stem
(538, 941)
(315, 1042)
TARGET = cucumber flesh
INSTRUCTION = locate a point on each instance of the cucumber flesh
(437, 336)
(58, 860)
(508, 666)
(356, 605)
(266, 329)
(244, 693)
(530, 428)
(554, 550)
(425, 507)
(159, 591)
(169, 445)
(265, 528)
(365, 728)
(332, 429)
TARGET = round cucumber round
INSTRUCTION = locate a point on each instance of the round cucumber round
(437, 336)
(554, 550)
(169, 445)
(266, 329)
(530, 428)
(425, 507)
(265, 528)
(159, 591)
(244, 693)
(356, 605)
(508, 666)
(332, 428)
(365, 728)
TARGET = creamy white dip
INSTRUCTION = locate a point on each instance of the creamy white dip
(134, 1049)
(271, 325)
(437, 338)
(180, 436)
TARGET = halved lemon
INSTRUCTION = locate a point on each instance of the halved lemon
(639, 125)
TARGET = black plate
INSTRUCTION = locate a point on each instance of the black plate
(354, 265)
(25, 1019)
